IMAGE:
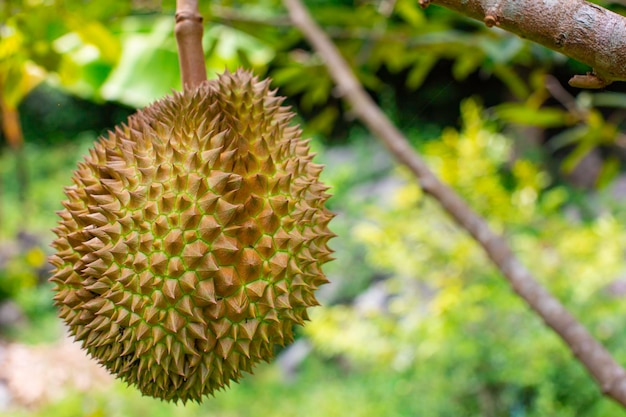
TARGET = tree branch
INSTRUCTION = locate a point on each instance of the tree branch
(584, 31)
(610, 376)
(230, 15)
(189, 38)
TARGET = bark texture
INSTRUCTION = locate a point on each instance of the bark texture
(584, 31)
(610, 376)
(189, 38)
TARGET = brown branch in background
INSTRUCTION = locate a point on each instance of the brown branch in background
(10, 123)
(235, 18)
(563, 96)
(12, 130)
(228, 15)
(189, 38)
(584, 31)
(608, 373)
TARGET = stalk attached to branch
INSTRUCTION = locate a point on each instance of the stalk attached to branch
(189, 38)
(608, 373)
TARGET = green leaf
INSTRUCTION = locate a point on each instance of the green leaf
(503, 49)
(148, 68)
(610, 170)
(422, 67)
(323, 122)
(410, 12)
(98, 35)
(576, 156)
(546, 117)
(508, 76)
(466, 64)
(609, 99)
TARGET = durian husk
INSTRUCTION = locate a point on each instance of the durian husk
(192, 240)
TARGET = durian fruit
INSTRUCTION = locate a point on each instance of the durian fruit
(192, 239)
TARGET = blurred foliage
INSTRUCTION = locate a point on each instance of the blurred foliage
(448, 316)
(20, 273)
(423, 59)
(416, 322)
(448, 337)
(50, 169)
(321, 390)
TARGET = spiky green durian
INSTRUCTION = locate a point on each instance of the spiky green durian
(192, 239)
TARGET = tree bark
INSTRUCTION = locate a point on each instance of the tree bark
(189, 39)
(610, 376)
(584, 31)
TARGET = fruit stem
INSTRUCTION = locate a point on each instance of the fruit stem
(188, 31)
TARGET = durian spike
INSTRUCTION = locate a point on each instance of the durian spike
(189, 39)
(182, 275)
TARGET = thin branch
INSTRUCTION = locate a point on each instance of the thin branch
(189, 38)
(584, 31)
(610, 376)
(568, 101)
(234, 18)
(230, 15)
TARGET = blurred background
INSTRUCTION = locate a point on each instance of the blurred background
(416, 322)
